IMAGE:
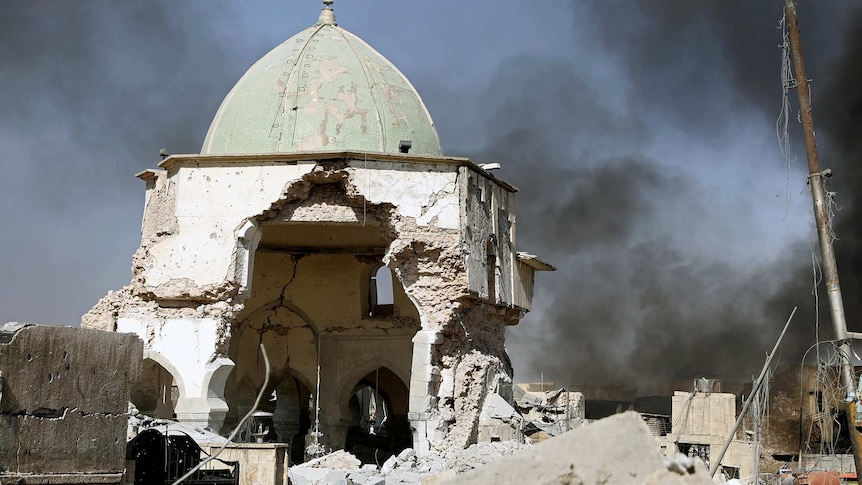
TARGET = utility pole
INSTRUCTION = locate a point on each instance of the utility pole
(816, 179)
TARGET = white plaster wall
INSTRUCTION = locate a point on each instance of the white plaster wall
(421, 191)
(188, 344)
(213, 203)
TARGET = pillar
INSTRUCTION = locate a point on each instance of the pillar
(424, 381)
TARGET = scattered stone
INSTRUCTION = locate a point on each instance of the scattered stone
(402, 476)
(681, 464)
(407, 455)
(437, 478)
(479, 454)
(389, 465)
(337, 477)
(300, 475)
(366, 478)
(140, 422)
(340, 460)
(619, 449)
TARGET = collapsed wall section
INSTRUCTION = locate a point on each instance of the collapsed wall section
(203, 224)
(488, 212)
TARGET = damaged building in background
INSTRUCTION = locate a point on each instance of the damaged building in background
(322, 221)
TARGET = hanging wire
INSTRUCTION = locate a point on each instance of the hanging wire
(788, 82)
(239, 425)
(368, 188)
(759, 414)
(316, 448)
(825, 383)
(831, 208)
(682, 419)
(822, 421)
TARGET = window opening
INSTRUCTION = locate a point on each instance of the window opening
(491, 267)
(381, 294)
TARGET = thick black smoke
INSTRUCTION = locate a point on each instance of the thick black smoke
(639, 297)
(643, 291)
(840, 113)
(89, 93)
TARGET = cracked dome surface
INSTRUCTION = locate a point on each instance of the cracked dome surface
(323, 89)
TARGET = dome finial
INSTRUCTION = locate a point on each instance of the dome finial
(327, 16)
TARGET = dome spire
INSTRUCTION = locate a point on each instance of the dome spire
(327, 16)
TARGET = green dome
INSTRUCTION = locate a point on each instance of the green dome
(323, 89)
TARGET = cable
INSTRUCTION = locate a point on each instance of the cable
(781, 123)
(238, 426)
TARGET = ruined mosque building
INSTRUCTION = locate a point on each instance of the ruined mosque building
(322, 220)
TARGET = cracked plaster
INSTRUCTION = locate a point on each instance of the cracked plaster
(430, 215)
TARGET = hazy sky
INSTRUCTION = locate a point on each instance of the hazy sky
(641, 134)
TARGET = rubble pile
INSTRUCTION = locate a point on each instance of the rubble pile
(139, 422)
(618, 449)
(404, 468)
(548, 414)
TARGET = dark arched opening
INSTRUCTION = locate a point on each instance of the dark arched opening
(157, 392)
(379, 427)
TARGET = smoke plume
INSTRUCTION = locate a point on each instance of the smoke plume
(626, 145)
(644, 293)
(91, 91)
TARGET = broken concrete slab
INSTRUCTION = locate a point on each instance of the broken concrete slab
(402, 476)
(62, 479)
(65, 397)
(57, 368)
(307, 476)
(389, 465)
(619, 449)
(336, 460)
(437, 478)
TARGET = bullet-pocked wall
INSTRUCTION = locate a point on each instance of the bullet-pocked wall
(285, 251)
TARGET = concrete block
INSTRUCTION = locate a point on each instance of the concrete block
(407, 455)
(426, 373)
(64, 367)
(389, 465)
(437, 478)
(366, 479)
(404, 476)
(66, 392)
(420, 404)
(423, 354)
(428, 337)
(337, 477)
(307, 475)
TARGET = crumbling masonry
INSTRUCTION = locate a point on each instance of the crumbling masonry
(322, 177)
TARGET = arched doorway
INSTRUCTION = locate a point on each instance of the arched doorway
(378, 417)
(157, 392)
(292, 416)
